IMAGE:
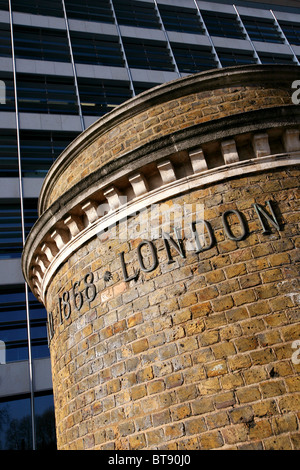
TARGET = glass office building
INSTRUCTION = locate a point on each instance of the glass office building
(64, 64)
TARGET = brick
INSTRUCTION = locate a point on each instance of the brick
(201, 310)
(137, 441)
(260, 430)
(174, 431)
(244, 297)
(217, 420)
(236, 270)
(248, 394)
(243, 414)
(174, 380)
(195, 426)
(223, 303)
(244, 344)
(208, 293)
(209, 386)
(278, 443)
(272, 388)
(225, 400)
(279, 259)
(235, 434)
(180, 412)
(140, 345)
(216, 368)
(223, 350)
(211, 440)
(202, 405)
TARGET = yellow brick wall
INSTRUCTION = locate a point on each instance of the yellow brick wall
(196, 354)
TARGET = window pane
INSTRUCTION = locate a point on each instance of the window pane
(229, 58)
(13, 324)
(10, 230)
(91, 10)
(46, 94)
(5, 46)
(221, 24)
(192, 59)
(140, 87)
(7, 99)
(135, 13)
(143, 54)
(39, 7)
(262, 30)
(96, 49)
(15, 420)
(40, 149)
(45, 422)
(41, 44)
(292, 32)
(38, 329)
(8, 154)
(100, 96)
(4, 5)
(184, 20)
(276, 59)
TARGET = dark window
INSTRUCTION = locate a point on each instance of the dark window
(275, 59)
(230, 57)
(4, 5)
(30, 214)
(222, 24)
(140, 87)
(13, 325)
(15, 429)
(45, 421)
(39, 7)
(192, 59)
(144, 54)
(100, 96)
(292, 32)
(90, 10)
(46, 94)
(5, 43)
(184, 20)
(38, 328)
(41, 148)
(10, 230)
(8, 153)
(41, 44)
(96, 49)
(15, 419)
(262, 30)
(135, 13)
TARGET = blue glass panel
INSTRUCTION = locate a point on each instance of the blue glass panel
(15, 424)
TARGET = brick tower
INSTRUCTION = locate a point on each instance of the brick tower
(166, 256)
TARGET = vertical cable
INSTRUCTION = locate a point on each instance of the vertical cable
(219, 65)
(122, 48)
(246, 34)
(30, 363)
(73, 66)
(295, 58)
(167, 39)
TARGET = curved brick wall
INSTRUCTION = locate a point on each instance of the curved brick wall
(188, 342)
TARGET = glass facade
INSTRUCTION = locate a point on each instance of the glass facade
(64, 64)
